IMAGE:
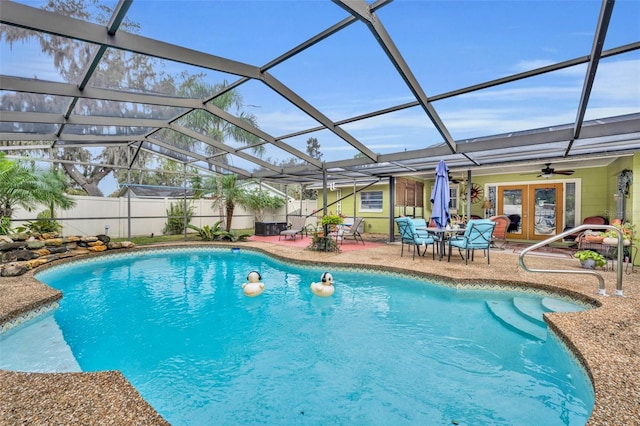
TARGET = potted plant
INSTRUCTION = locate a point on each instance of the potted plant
(611, 236)
(321, 243)
(331, 220)
(590, 259)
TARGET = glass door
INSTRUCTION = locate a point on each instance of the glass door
(546, 215)
(535, 211)
(512, 202)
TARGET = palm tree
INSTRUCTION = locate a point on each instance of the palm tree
(24, 187)
(226, 192)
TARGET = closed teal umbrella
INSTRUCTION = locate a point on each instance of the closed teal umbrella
(441, 197)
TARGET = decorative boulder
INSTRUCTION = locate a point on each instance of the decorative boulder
(35, 244)
(53, 242)
(104, 238)
(13, 246)
(12, 270)
(33, 263)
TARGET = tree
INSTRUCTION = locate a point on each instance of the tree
(120, 70)
(259, 200)
(313, 148)
(227, 193)
(24, 187)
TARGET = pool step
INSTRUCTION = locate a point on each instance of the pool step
(37, 346)
(524, 314)
(532, 309)
(556, 305)
(506, 312)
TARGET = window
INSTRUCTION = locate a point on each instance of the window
(409, 193)
(453, 204)
(371, 201)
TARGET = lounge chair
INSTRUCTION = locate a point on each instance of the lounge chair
(297, 227)
(410, 236)
(477, 236)
(346, 231)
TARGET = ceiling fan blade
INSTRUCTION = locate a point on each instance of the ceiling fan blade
(564, 172)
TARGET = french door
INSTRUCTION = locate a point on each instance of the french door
(535, 210)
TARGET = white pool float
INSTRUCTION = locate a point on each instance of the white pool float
(325, 287)
(254, 287)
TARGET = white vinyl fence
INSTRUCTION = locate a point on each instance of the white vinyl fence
(97, 215)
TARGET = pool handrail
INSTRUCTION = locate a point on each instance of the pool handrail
(601, 289)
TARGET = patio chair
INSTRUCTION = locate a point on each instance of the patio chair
(499, 238)
(410, 236)
(477, 236)
(345, 231)
(590, 220)
(297, 227)
(421, 229)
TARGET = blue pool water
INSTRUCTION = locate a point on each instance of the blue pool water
(383, 349)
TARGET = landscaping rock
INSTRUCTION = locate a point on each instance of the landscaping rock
(104, 238)
(42, 252)
(53, 242)
(18, 255)
(33, 263)
(19, 237)
(54, 250)
(13, 246)
(12, 270)
(35, 249)
(35, 244)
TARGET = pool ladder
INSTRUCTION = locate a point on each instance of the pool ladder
(601, 289)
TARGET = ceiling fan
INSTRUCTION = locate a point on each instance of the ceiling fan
(549, 171)
(456, 180)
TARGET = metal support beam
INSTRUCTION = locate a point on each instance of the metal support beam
(594, 59)
(362, 11)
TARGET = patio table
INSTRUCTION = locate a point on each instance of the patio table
(443, 235)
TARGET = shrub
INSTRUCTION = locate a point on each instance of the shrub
(42, 225)
(175, 218)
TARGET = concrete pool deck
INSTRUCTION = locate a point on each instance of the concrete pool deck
(606, 339)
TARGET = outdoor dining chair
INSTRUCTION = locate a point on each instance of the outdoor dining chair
(412, 238)
(477, 236)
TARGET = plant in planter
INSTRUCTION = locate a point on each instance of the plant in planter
(321, 243)
(627, 229)
(331, 220)
(590, 259)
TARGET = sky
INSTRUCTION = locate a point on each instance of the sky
(447, 44)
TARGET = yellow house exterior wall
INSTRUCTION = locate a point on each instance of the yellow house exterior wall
(598, 185)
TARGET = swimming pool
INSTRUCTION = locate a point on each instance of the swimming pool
(384, 349)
